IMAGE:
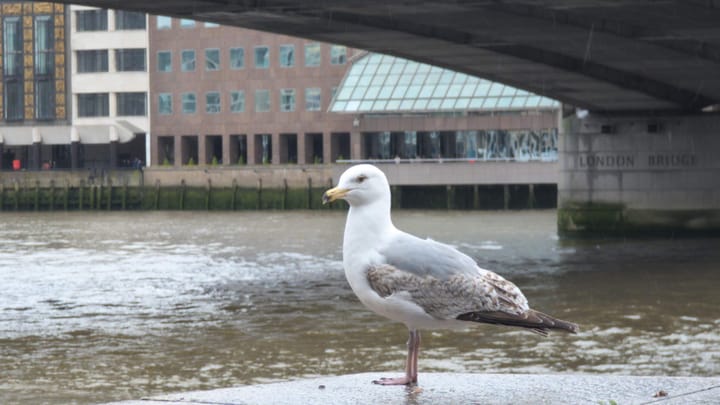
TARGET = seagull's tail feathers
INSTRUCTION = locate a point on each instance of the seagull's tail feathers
(535, 321)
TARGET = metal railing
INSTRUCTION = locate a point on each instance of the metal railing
(447, 160)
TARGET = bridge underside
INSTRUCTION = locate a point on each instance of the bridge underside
(642, 160)
(600, 55)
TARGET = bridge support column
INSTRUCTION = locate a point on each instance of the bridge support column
(622, 175)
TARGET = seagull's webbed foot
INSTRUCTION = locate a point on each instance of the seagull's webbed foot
(394, 381)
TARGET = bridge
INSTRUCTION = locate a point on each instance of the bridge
(600, 55)
(640, 80)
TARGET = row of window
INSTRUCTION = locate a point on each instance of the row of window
(98, 104)
(236, 100)
(133, 60)
(261, 57)
(97, 20)
(96, 60)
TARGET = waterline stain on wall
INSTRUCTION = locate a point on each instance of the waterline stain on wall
(19, 197)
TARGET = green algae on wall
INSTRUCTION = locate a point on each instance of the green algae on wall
(616, 220)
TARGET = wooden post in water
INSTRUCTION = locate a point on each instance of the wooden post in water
(207, 194)
(91, 190)
(66, 195)
(258, 205)
(80, 194)
(234, 194)
(285, 194)
(309, 193)
(17, 195)
(52, 195)
(109, 194)
(2, 196)
(157, 194)
(36, 201)
(182, 194)
(123, 197)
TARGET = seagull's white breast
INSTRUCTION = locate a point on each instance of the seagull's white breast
(361, 253)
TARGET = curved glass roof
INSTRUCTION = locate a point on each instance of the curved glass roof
(385, 84)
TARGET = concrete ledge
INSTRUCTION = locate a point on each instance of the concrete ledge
(452, 388)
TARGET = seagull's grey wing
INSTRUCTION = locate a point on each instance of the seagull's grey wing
(449, 298)
(426, 257)
(448, 284)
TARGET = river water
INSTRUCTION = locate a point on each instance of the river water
(108, 306)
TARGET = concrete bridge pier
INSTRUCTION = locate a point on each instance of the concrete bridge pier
(624, 175)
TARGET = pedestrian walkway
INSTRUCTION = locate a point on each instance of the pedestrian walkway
(457, 388)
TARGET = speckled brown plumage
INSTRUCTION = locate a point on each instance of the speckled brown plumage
(485, 297)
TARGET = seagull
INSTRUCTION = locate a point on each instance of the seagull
(420, 282)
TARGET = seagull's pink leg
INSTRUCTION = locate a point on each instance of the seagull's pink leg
(414, 365)
(411, 370)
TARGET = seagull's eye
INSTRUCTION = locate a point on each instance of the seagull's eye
(361, 178)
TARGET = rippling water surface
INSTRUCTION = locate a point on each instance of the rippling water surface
(110, 306)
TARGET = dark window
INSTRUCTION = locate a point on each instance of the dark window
(312, 99)
(212, 102)
(237, 101)
(13, 68)
(93, 105)
(131, 104)
(130, 60)
(129, 20)
(189, 103)
(262, 57)
(12, 46)
(212, 59)
(287, 55)
(92, 61)
(187, 62)
(91, 20)
(44, 99)
(338, 54)
(237, 58)
(44, 45)
(13, 100)
(262, 100)
(164, 61)
(287, 99)
(312, 55)
(164, 103)
(44, 68)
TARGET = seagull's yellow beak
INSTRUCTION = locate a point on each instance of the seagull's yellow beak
(334, 194)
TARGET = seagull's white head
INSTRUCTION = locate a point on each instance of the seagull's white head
(360, 185)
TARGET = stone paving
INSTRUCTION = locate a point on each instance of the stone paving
(459, 388)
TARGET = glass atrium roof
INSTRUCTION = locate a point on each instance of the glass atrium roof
(383, 84)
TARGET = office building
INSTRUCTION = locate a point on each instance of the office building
(229, 96)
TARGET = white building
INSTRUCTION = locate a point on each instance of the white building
(109, 84)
